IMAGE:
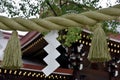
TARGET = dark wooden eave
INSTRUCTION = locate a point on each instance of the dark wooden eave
(33, 43)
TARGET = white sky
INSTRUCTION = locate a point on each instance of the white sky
(103, 3)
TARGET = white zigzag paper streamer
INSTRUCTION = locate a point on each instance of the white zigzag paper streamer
(52, 52)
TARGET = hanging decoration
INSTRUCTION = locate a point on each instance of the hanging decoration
(98, 51)
(99, 48)
(62, 22)
(52, 52)
(12, 53)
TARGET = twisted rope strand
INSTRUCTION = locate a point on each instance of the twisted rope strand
(4, 27)
(45, 23)
(61, 22)
(111, 11)
(98, 16)
(10, 23)
(29, 24)
(80, 19)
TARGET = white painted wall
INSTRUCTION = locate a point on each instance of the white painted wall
(3, 43)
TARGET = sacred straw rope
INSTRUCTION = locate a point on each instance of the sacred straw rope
(61, 22)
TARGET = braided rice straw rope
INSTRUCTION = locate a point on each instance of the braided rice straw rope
(61, 22)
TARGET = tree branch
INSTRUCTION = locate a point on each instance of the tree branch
(48, 3)
(60, 3)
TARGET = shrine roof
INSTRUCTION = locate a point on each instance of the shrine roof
(113, 37)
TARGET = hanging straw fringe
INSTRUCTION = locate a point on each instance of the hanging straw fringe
(12, 54)
(99, 48)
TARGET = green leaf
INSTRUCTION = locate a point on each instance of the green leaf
(70, 36)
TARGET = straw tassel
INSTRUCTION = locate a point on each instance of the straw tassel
(12, 53)
(99, 48)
